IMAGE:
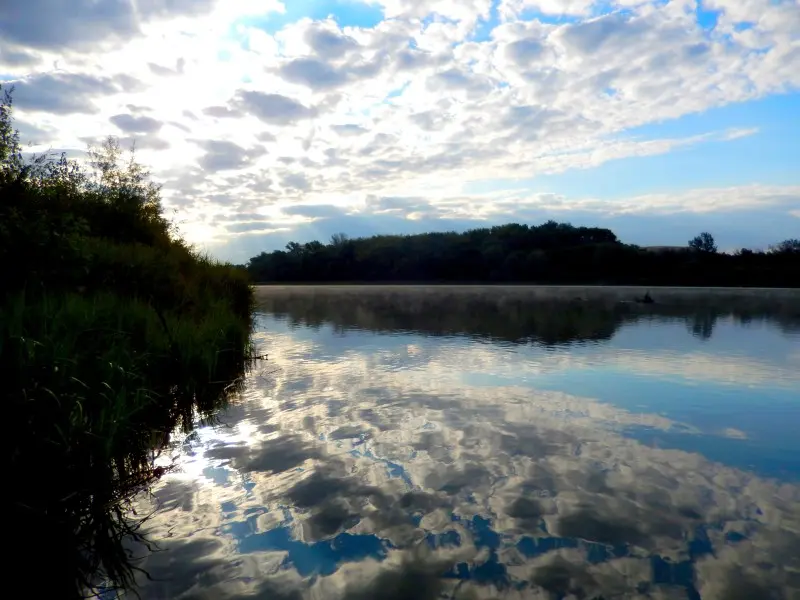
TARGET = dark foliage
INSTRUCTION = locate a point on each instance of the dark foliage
(556, 253)
(114, 334)
(703, 243)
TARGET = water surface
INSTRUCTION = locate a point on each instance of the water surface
(487, 445)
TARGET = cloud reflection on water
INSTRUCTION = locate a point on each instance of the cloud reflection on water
(376, 471)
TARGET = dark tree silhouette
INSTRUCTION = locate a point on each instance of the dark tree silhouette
(516, 253)
(339, 239)
(787, 247)
(703, 243)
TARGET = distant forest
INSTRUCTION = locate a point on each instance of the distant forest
(551, 253)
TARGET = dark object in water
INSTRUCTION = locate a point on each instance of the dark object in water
(646, 299)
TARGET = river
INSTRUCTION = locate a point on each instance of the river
(423, 443)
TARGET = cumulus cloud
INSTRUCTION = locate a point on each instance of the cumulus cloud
(297, 181)
(146, 142)
(649, 219)
(329, 42)
(80, 23)
(589, 36)
(221, 155)
(313, 73)
(436, 96)
(166, 71)
(132, 124)
(67, 93)
(272, 108)
(30, 134)
(514, 8)
(349, 129)
(11, 58)
(314, 211)
(221, 112)
(251, 227)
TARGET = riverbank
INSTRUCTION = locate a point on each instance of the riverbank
(113, 335)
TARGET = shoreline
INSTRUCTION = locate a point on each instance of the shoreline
(592, 289)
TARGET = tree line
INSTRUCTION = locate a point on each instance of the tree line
(550, 253)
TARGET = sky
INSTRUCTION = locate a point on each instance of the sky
(268, 121)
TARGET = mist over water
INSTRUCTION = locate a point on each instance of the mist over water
(427, 444)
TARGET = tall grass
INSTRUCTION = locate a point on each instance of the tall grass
(114, 334)
(94, 385)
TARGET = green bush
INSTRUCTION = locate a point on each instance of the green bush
(113, 334)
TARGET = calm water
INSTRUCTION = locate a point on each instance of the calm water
(415, 446)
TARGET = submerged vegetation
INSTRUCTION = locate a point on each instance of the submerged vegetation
(557, 253)
(113, 334)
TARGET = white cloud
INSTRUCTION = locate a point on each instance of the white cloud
(465, 12)
(493, 207)
(701, 200)
(514, 8)
(735, 134)
(413, 106)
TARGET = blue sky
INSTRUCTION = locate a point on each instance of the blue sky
(346, 13)
(769, 155)
(270, 121)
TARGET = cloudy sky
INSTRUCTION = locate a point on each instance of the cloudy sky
(269, 120)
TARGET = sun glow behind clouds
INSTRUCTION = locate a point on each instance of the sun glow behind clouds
(245, 107)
